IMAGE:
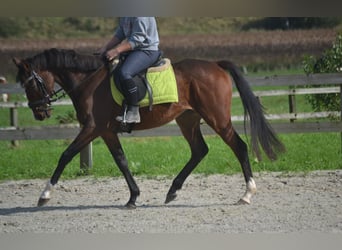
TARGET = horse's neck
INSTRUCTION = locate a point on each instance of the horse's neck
(80, 90)
(77, 84)
(92, 81)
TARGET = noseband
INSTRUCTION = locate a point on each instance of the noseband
(47, 98)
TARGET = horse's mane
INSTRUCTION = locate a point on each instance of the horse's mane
(67, 59)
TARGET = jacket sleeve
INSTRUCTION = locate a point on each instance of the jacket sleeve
(142, 28)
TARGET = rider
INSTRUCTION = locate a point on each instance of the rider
(138, 38)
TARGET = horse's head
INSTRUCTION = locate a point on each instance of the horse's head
(39, 73)
(39, 87)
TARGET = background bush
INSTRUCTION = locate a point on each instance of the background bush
(329, 62)
(9, 27)
(56, 27)
(274, 23)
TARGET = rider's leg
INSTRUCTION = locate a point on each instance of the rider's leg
(131, 96)
(135, 62)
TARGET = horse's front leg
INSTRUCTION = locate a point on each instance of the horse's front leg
(84, 138)
(114, 146)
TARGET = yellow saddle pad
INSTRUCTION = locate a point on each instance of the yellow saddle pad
(163, 83)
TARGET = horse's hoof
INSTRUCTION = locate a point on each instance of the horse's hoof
(130, 205)
(242, 202)
(170, 197)
(42, 202)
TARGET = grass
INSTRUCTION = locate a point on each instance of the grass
(166, 156)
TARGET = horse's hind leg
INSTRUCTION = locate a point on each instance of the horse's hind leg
(239, 147)
(189, 123)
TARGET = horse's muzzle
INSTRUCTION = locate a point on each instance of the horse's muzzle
(41, 113)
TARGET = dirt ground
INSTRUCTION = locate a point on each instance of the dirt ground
(284, 203)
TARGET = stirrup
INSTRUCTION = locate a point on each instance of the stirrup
(124, 119)
(129, 116)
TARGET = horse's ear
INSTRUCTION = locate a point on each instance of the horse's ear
(16, 61)
(21, 64)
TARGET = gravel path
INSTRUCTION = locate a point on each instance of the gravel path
(309, 202)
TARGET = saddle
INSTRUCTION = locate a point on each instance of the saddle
(159, 79)
(140, 80)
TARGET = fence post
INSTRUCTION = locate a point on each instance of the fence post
(86, 157)
(14, 123)
(292, 103)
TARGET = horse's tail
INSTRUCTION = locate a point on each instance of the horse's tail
(261, 131)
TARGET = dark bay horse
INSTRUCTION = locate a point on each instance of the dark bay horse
(205, 92)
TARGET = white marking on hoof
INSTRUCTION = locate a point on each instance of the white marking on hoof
(46, 194)
(251, 189)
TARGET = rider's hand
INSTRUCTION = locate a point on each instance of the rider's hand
(112, 54)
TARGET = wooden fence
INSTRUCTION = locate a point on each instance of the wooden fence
(291, 122)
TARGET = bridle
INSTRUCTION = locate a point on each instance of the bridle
(43, 104)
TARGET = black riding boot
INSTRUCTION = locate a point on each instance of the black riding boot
(131, 115)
